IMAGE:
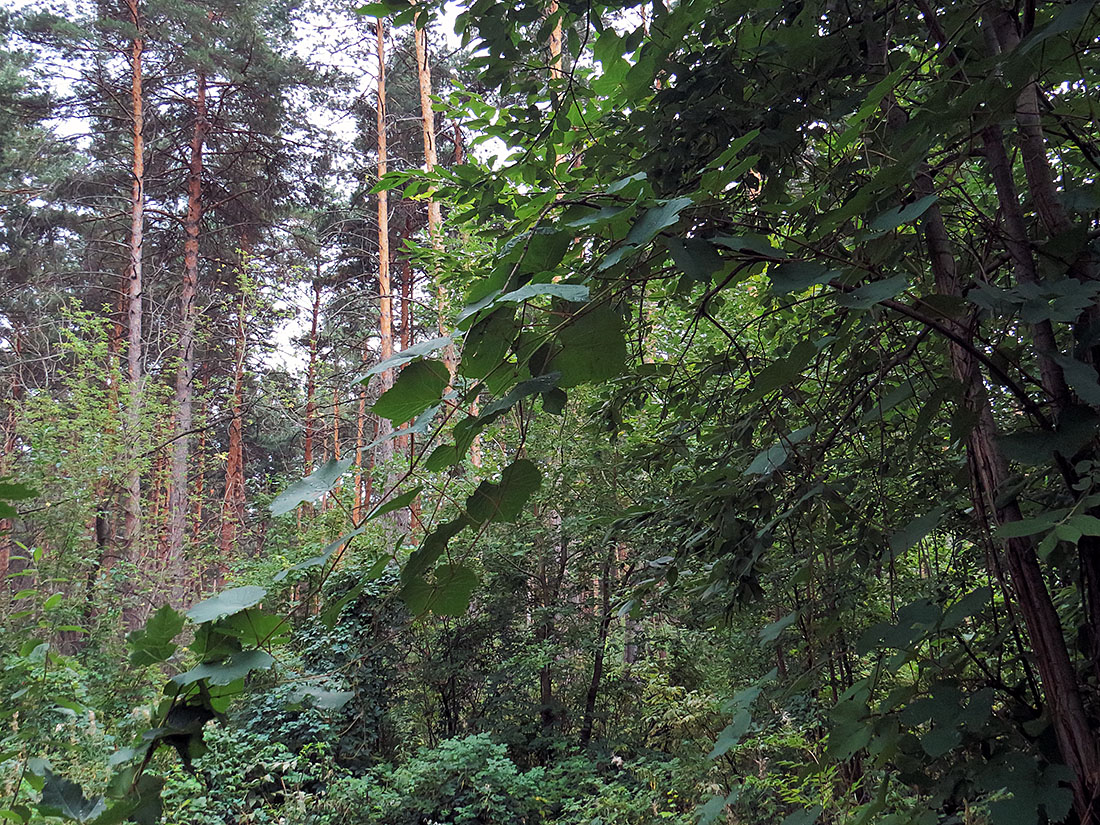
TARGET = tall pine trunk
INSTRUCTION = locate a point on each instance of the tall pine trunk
(311, 379)
(7, 541)
(233, 501)
(385, 287)
(185, 371)
(132, 504)
(427, 128)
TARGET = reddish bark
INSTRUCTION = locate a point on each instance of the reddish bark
(134, 287)
(311, 377)
(233, 501)
(185, 371)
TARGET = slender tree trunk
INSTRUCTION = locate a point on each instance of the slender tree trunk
(460, 158)
(1055, 219)
(601, 647)
(185, 371)
(335, 434)
(233, 502)
(989, 473)
(406, 299)
(360, 424)
(200, 466)
(7, 542)
(435, 220)
(1076, 738)
(460, 145)
(385, 288)
(552, 577)
(1019, 249)
(134, 290)
(311, 377)
(554, 45)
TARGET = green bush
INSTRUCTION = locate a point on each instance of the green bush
(468, 781)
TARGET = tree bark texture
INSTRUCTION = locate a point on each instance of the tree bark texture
(185, 370)
(233, 501)
(134, 290)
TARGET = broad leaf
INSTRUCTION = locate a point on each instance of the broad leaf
(312, 487)
(65, 799)
(453, 585)
(226, 603)
(236, 667)
(403, 500)
(574, 293)
(870, 294)
(731, 735)
(590, 348)
(322, 558)
(320, 697)
(153, 643)
(655, 220)
(417, 388)
(893, 218)
(408, 355)
(504, 501)
(915, 530)
(798, 276)
(771, 459)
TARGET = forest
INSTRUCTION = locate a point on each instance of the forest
(582, 412)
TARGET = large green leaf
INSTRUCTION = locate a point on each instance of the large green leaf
(797, 276)
(488, 342)
(312, 487)
(775, 456)
(417, 388)
(1082, 378)
(321, 697)
(153, 643)
(656, 219)
(504, 501)
(64, 798)
(893, 218)
(574, 293)
(732, 734)
(454, 583)
(408, 355)
(235, 667)
(782, 371)
(697, 258)
(915, 530)
(870, 294)
(431, 548)
(226, 603)
(448, 594)
(524, 389)
(592, 347)
(396, 503)
(322, 558)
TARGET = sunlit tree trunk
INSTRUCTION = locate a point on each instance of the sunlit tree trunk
(554, 46)
(132, 504)
(427, 128)
(360, 425)
(200, 466)
(11, 420)
(185, 370)
(233, 501)
(335, 433)
(311, 379)
(385, 288)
